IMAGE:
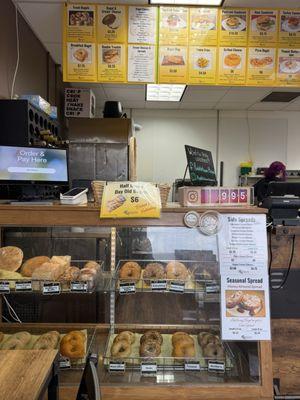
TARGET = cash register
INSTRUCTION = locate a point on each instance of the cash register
(283, 203)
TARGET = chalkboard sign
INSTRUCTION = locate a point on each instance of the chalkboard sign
(201, 166)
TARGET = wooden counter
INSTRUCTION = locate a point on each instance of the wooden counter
(26, 374)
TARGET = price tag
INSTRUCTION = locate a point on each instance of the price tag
(64, 363)
(127, 288)
(192, 366)
(216, 366)
(51, 288)
(23, 286)
(116, 366)
(177, 287)
(212, 288)
(158, 285)
(79, 286)
(4, 287)
(148, 367)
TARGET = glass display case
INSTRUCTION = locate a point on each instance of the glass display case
(160, 284)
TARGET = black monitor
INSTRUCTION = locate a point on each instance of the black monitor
(284, 189)
(33, 165)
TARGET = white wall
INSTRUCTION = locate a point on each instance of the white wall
(260, 136)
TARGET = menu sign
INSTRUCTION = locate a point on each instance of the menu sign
(233, 27)
(200, 164)
(288, 67)
(81, 62)
(141, 63)
(203, 26)
(202, 65)
(261, 66)
(289, 30)
(232, 65)
(263, 28)
(80, 22)
(111, 63)
(244, 278)
(173, 23)
(142, 23)
(172, 64)
(112, 26)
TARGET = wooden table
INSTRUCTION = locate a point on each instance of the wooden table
(27, 374)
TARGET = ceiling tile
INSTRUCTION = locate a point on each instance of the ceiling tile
(268, 106)
(163, 104)
(293, 107)
(133, 104)
(197, 106)
(233, 106)
(124, 94)
(245, 95)
(192, 95)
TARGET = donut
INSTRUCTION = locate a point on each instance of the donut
(152, 336)
(32, 263)
(176, 270)
(184, 349)
(121, 348)
(153, 271)
(150, 348)
(234, 299)
(72, 345)
(48, 340)
(125, 335)
(204, 338)
(130, 270)
(12, 344)
(214, 351)
(179, 336)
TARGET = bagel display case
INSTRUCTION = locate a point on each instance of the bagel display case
(156, 320)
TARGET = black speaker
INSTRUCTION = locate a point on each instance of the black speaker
(21, 124)
(112, 109)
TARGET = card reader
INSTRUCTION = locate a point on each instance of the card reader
(74, 196)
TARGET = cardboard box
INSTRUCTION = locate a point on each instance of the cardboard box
(79, 103)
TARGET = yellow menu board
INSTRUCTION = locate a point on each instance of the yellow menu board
(111, 62)
(288, 67)
(263, 28)
(233, 27)
(130, 200)
(289, 28)
(232, 66)
(172, 64)
(112, 23)
(261, 66)
(80, 22)
(80, 62)
(203, 26)
(142, 24)
(173, 25)
(202, 65)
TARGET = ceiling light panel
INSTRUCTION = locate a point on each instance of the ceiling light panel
(215, 3)
(164, 92)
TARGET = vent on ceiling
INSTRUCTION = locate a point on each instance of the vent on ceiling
(282, 97)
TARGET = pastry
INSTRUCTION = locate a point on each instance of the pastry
(109, 19)
(153, 271)
(130, 270)
(81, 54)
(152, 336)
(72, 345)
(70, 274)
(180, 336)
(62, 260)
(18, 340)
(92, 265)
(251, 303)
(48, 340)
(234, 299)
(11, 258)
(184, 349)
(150, 348)
(32, 263)
(121, 349)
(173, 60)
(10, 275)
(204, 338)
(214, 351)
(176, 270)
(125, 335)
(48, 271)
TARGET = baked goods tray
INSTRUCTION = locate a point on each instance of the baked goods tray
(202, 277)
(65, 361)
(164, 361)
(24, 284)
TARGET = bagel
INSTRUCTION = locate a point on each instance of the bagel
(121, 349)
(176, 270)
(152, 336)
(130, 270)
(150, 348)
(125, 335)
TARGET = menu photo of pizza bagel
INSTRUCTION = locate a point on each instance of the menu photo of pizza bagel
(245, 303)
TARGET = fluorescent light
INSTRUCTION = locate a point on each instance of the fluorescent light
(164, 92)
(190, 2)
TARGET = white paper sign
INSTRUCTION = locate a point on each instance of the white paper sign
(245, 305)
(142, 24)
(141, 63)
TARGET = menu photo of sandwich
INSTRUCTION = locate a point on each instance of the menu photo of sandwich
(205, 22)
(234, 23)
(245, 303)
(111, 55)
(289, 65)
(174, 21)
(263, 23)
(290, 23)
